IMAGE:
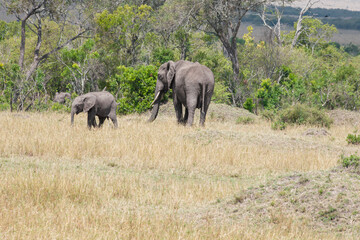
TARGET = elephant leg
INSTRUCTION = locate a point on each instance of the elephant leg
(186, 116)
(91, 118)
(203, 114)
(178, 110)
(94, 124)
(191, 103)
(101, 121)
(113, 118)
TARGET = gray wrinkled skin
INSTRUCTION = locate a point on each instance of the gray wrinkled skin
(60, 97)
(101, 104)
(192, 85)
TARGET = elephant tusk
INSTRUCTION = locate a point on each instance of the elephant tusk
(157, 95)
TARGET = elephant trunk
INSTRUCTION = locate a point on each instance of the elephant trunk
(72, 116)
(156, 106)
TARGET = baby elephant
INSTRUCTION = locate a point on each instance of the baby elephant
(60, 97)
(101, 104)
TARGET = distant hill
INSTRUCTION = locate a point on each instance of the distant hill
(352, 5)
(340, 18)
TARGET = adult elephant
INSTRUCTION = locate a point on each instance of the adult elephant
(192, 85)
(61, 97)
(101, 104)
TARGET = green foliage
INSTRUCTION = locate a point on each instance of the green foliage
(122, 33)
(302, 115)
(221, 93)
(182, 40)
(293, 88)
(352, 49)
(74, 95)
(351, 161)
(353, 139)
(278, 125)
(3, 29)
(58, 107)
(249, 104)
(137, 88)
(317, 72)
(77, 64)
(315, 33)
(216, 61)
(269, 115)
(269, 94)
(162, 55)
(9, 74)
(4, 106)
(245, 120)
(39, 105)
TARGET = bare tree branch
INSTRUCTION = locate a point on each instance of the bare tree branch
(299, 27)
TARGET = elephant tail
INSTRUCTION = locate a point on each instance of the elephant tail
(203, 92)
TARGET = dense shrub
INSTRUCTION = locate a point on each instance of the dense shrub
(245, 120)
(58, 107)
(4, 106)
(351, 161)
(137, 87)
(353, 139)
(162, 55)
(269, 94)
(249, 104)
(269, 115)
(301, 114)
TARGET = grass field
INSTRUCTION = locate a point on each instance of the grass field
(152, 181)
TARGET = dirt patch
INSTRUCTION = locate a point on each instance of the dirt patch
(316, 132)
(223, 112)
(323, 200)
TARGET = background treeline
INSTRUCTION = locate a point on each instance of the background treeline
(340, 18)
(89, 45)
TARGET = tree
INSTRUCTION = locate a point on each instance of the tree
(32, 14)
(298, 26)
(122, 32)
(223, 18)
(315, 33)
(79, 63)
(276, 28)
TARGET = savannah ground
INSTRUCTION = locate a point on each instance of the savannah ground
(161, 180)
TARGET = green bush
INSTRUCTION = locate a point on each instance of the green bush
(39, 106)
(162, 55)
(249, 104)
(245, 120)
(4, 106)
(302, 115)
(269, 115)
(269, 94)
(351, 161)
(58, 107)
(278, 125)
(137, 88)
(353, 139)
(221, 94)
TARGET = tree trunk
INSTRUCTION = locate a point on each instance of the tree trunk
(234, 61)
(22, 45)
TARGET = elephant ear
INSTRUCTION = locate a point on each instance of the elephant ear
(171, 73)
(89, 102)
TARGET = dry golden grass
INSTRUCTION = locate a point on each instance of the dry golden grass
(145, 181)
